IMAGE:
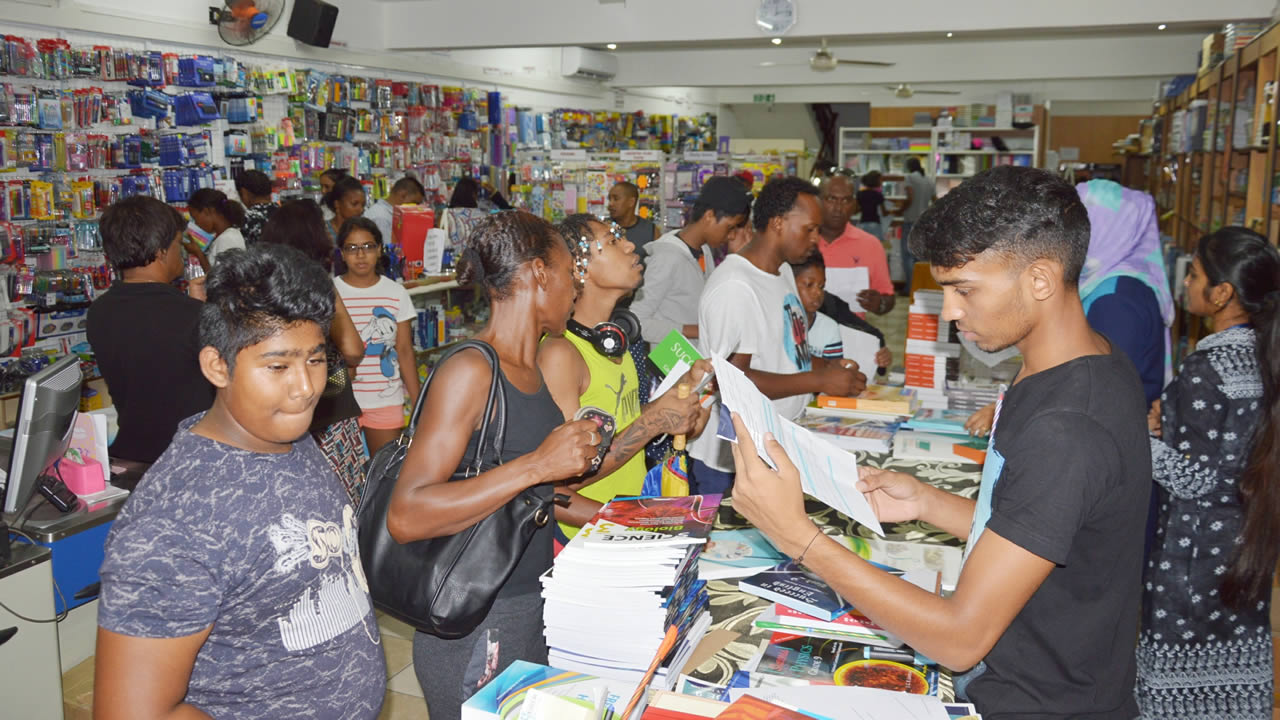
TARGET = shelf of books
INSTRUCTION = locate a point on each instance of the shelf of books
(949, 154)
(884, 150)
(959, 153)
(1210, 156)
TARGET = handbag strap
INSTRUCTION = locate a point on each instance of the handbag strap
(496, 400)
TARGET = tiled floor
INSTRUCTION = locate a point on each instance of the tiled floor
(404, 696)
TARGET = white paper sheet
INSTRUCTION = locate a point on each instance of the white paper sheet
(850, 703)
(677, 371)
(433, 251)
(860, 347)
(846, 283)
(826, 472)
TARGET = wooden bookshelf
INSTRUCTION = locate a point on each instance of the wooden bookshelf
(1225, 176)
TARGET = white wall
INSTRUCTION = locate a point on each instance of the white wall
(761, 120)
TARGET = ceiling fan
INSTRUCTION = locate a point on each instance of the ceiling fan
(904, 91)
(824, 61)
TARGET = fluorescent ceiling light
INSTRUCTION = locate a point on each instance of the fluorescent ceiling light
(1161, 26)
(612, 46)
(776, 41)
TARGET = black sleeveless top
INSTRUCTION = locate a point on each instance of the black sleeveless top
(530, 419)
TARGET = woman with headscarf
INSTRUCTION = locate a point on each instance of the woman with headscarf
(1123, 285)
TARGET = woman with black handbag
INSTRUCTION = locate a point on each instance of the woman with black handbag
(524, 266)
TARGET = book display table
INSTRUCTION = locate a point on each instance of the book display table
(735, 611)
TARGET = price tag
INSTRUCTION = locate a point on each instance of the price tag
(640, 155)
(702, 156)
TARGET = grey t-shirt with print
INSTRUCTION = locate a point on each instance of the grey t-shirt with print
(263, 548)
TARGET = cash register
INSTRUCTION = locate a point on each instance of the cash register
(37, 505)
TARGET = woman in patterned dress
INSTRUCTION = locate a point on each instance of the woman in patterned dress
(1205, 647)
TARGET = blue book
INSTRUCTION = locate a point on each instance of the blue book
(947, 422)
(792, 586)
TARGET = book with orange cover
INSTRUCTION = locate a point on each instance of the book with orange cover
(876, 398)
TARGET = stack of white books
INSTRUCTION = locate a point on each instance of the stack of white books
(626, 578)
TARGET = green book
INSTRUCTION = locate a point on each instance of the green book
(673, 348)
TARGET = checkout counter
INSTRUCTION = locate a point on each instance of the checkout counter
(26, 587)
(75, 541)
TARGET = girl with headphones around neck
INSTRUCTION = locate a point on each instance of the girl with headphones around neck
(590, 366)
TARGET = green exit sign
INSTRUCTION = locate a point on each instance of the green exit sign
(762, 97)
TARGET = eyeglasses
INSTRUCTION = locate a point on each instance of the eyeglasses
(360, 249)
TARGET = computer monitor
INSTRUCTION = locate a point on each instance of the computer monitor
(46, 417)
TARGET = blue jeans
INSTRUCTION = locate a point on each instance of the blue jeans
(874, 228)
(706, 480)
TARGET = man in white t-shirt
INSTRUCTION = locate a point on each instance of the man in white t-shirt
(680, 261)
(751, 314)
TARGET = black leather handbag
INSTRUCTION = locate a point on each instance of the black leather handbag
(445, 586)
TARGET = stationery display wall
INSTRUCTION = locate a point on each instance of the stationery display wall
(86, 121)
(557, 183)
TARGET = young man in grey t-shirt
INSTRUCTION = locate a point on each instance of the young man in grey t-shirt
(232, 584)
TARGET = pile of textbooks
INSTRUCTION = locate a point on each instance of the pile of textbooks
(622, 581)
(804, 604)
(525, 691)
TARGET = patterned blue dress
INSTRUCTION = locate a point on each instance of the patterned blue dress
(1197, 659)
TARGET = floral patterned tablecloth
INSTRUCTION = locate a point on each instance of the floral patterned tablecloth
(734, 610)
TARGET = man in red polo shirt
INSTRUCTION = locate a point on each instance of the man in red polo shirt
(845, 246)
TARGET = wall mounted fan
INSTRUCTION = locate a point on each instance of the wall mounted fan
(244, 22)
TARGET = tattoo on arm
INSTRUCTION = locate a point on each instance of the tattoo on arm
(645, 428)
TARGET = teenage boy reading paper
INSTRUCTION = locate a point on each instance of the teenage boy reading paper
(751, 315)
(232, 584)
(1046, 610)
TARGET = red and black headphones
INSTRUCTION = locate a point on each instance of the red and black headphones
(611, 338)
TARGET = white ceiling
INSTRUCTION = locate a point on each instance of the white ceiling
(703, 52)
(1103, 49)
(440, 24)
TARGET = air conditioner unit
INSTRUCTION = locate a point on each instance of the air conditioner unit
(580, 62)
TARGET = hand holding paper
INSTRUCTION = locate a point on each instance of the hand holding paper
(847, 283)
(860, 347)
(801, 463)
